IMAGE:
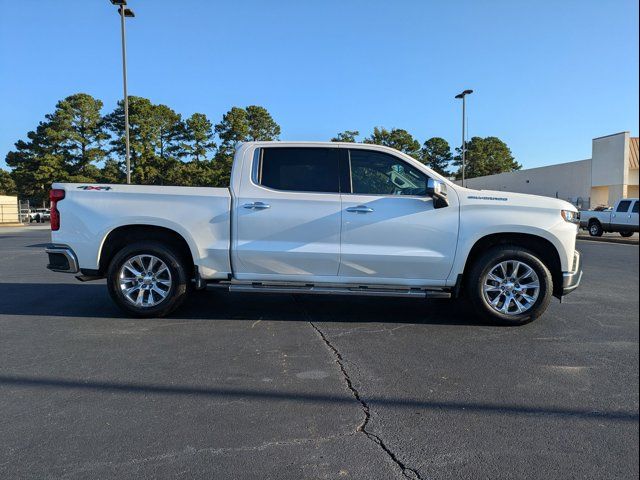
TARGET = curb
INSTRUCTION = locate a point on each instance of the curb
(12, 225)
(623, 241)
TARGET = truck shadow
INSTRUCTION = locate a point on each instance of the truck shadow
(92, 301)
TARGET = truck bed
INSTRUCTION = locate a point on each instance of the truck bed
(200, 214)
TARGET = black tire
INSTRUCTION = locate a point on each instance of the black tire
(482, 266)
(626, 234)
(177, 266)
(595, 229)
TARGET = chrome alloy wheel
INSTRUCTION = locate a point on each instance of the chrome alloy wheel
(511, 287)
(145, 280)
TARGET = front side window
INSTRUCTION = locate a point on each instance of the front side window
(623, 206)
(377, 173)
(635, 207)
(299, 169)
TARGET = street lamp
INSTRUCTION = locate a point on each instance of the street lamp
(125, 12)
(464, 142)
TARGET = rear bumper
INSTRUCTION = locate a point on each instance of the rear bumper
(62, 259)
(571, 280)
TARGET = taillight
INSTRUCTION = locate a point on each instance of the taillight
(55, 196)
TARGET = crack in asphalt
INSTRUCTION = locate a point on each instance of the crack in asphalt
(408, 472)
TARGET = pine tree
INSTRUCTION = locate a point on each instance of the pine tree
(436, 154)
(197, 137)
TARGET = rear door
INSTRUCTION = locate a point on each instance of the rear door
(390, 228)
(288, 215)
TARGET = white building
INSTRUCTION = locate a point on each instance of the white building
(610, 174)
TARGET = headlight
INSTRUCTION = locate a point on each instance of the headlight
(570, 216)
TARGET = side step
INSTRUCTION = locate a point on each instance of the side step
(330, 290)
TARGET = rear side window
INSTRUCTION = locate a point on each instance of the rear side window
(299, 169)
(635, 207)
(623, 206)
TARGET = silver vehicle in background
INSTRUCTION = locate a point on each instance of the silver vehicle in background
(622, 218)
(39, 215)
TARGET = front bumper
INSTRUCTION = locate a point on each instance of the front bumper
(62, 259)
(571, 280)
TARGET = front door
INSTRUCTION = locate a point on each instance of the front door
(390, 228)
(632, 216)
(288, 215)
(622, 215)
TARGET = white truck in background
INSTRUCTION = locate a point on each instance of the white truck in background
(319, 218)
(622, 218)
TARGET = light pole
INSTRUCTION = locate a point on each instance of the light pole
(125, 12)
(464, 142)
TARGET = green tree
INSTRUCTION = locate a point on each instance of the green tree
(348, 136)
(246, 124)
(262, 126)
(197, 137)
(154, 132)
(395, 138)
(486, 156)
(196, 173)
(111, 172)
(36, 163)
(222, 164)
(167, 131)
(436, 154)
(7, 185)
(77, 130)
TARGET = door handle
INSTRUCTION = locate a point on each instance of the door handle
(256, 206)
(360, 209)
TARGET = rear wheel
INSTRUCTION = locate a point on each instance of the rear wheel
(509, 285)
(595, 229)
(147, 279)
(626, 234)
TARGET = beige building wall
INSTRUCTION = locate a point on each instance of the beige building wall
(613, 168)
(8, 209)
(568, 181)
(610, 174)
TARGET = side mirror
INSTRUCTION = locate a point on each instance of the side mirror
(438, 191)
(436, 188)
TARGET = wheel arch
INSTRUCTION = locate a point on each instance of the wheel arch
(543, 248)
(124, 235)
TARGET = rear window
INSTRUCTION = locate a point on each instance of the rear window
(300, 169)
(623, 206)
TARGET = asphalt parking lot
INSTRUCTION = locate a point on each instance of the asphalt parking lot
(282, 387)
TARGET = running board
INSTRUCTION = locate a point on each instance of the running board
(324, 290)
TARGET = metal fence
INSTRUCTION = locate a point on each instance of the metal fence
(24, 207)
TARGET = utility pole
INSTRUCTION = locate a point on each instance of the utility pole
(464, 138)
(125, 12)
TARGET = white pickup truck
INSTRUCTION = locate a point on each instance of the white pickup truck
(319, 218)
(622, 218)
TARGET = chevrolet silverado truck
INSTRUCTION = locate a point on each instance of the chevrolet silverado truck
(319, 218)
(622, 218)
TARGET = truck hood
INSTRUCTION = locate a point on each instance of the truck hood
(470, 196)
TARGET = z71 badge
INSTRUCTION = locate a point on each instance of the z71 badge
(93, 187)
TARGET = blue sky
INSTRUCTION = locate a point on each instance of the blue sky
(548, 75)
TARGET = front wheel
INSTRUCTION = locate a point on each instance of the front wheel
(626, 234)
(509, 285)
(595, 229)
(147, 279)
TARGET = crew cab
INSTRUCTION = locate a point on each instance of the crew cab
(622, 218)
(319, 218)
